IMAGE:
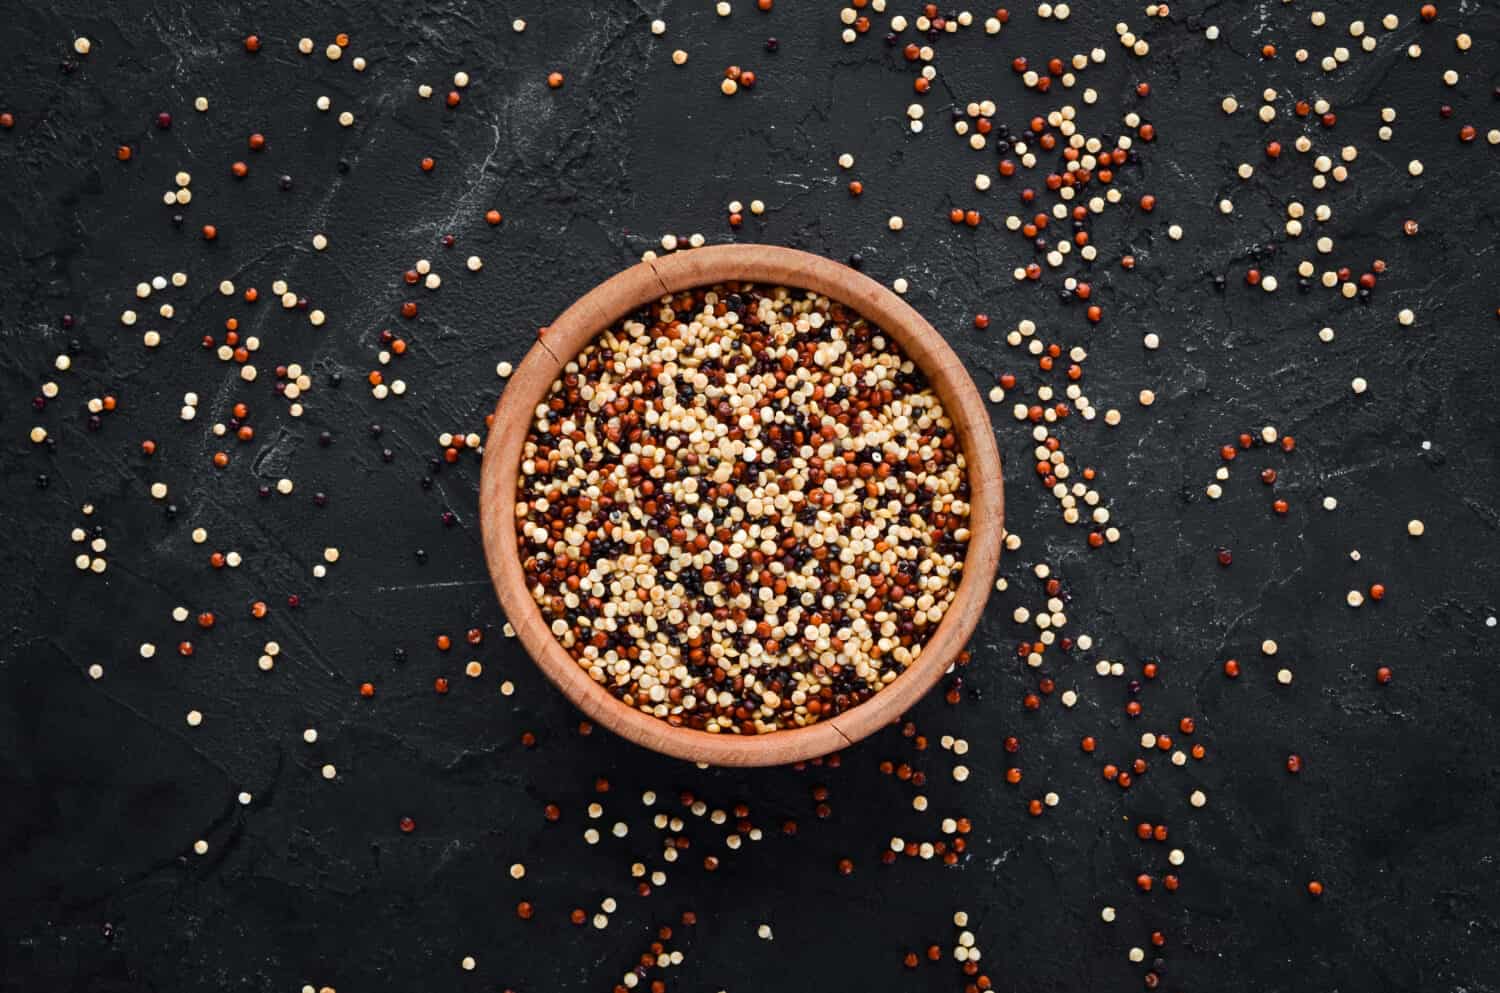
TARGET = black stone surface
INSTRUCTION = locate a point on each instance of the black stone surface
(106, 787)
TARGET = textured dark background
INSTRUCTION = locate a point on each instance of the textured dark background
(105, 787)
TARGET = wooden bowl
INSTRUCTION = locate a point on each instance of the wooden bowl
(769, 265)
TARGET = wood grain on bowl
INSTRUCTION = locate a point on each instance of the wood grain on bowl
(768, 265)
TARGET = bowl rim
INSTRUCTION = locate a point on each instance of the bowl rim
(648, 282)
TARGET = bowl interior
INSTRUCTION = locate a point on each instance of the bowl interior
(768, 265)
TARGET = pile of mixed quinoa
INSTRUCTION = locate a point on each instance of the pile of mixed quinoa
(743, 509)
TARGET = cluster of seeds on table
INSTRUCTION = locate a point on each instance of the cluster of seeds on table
(965, 951)
(948, 841)
(1078, 499)
(743, 509)
(1121, 763)
(658, 957)
(92, 545)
